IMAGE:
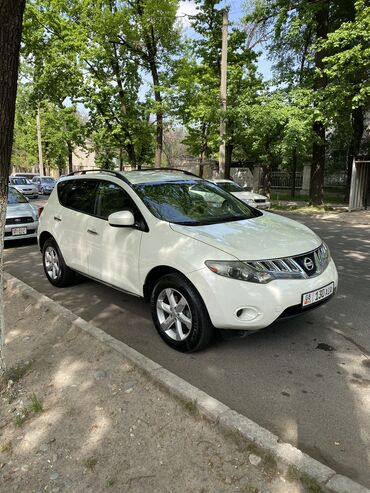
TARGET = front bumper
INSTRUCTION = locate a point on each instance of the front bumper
(32, 193)
(260, 304)
(31, 231)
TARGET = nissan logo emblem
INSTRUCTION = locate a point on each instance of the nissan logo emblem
(308, 263)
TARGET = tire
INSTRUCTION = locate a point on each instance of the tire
(55, 268)
(42, 191)
(174, 299)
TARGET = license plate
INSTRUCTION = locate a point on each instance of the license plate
(19, 231)
(317, 295)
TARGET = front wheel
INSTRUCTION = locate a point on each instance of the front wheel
(56, 270)
(179, 314)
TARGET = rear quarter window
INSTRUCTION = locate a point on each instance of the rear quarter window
(78, 195)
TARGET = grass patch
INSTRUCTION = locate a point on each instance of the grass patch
(301, 208)
(13, 374)
(21, 417)
(332, 198)
(310, 484)
(7, 448)
(91, 463)
(110, 482)
(36, 404)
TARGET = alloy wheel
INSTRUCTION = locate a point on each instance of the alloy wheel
(174, 314)
(52, 262)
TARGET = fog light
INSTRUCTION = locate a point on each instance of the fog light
(247, 313)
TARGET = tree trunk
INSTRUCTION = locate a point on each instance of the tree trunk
(266, 180)
(120, 159)
(319, 144)
(228, 157)
(11, 13)
(159, 113)
(294, 170)
(70, 157)
(357, 123)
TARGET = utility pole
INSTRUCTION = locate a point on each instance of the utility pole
(39, 143)
(223, 93)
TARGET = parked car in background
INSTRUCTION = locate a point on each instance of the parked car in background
(45, 184)
(23, 186)
(22, 218)
(28, 176)
(250, 198)
(203, 258)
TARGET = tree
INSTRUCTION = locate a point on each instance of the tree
(347, 70)
(196, 83)
(300, 51)
(276, 130)
(11, 15)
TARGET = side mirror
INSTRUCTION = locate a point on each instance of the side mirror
(122, 219)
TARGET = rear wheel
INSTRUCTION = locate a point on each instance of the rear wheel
(179, 314)
(56, 270)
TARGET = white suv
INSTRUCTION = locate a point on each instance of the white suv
(202, 257)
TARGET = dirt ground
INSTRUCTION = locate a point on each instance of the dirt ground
(76, 417)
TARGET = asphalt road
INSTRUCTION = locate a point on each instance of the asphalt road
(306, 379)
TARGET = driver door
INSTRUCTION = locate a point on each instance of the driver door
(114, 251)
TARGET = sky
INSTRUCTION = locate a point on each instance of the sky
(188, 8)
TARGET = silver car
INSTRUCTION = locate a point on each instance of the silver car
(22, 219)
(44, 184)
(23, 186)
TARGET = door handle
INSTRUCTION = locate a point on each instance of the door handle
(92, 232)
(57, 218)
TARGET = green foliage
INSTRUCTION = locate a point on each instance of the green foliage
(36, 404)
(347, 65)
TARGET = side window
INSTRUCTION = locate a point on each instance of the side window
(78, 195)
(112, 198)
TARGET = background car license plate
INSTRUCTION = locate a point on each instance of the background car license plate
(19, 231)
(317, 295)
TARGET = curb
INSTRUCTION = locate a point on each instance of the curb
(286, 455)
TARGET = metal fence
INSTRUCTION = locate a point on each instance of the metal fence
(282, 179)
(337, 180)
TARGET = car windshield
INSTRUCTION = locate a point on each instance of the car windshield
(14, 197)
(18, 181)
(192, 203)
(229, 186)
(48, 180)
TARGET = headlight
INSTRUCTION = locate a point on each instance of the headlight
(238, 270)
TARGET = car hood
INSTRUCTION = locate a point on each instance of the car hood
(249, 195)
(24, 187)
(19, 210)
(264, 237)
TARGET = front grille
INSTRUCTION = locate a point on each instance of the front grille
(306, 265)
(260, 201)
(19, 220)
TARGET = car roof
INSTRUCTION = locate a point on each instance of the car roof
(138, 176)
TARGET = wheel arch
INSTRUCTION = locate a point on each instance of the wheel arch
(155, 274)
(45, 235)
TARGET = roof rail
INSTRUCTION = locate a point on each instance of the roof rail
(170, 169)
(117, 174)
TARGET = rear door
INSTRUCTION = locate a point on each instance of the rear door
(71, 220)
(115, 252)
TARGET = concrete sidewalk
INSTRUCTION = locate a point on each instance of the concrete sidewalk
(77, 415)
